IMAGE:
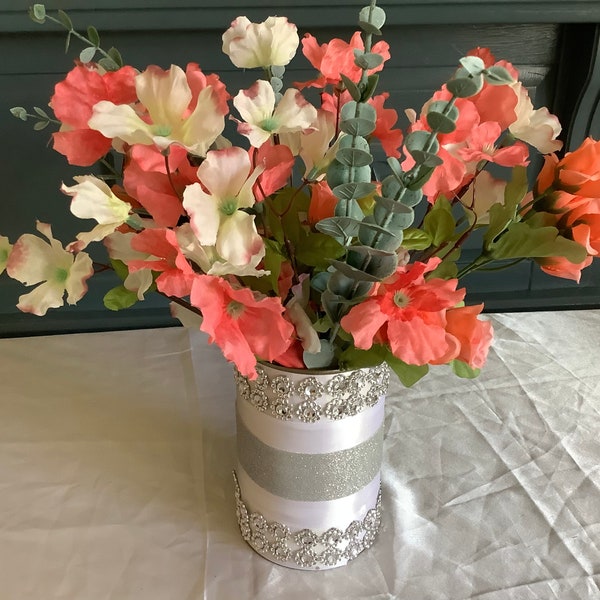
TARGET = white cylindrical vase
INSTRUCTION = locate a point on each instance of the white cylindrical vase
(307, 482)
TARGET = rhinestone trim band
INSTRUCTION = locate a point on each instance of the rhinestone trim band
(345, 394)
(306, 549)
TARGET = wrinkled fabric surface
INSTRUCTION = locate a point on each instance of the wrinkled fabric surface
(116, 451)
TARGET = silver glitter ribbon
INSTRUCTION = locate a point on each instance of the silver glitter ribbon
(309, 477)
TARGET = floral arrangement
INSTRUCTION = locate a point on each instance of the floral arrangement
(282, 239)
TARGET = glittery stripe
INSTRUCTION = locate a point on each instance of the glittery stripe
(309, 477)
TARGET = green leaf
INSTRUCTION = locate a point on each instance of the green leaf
(407, 374)
(373, 16)
(522, 241)
(19, 112)
(278, 71)
(464, 87)
(351, 87)
(439, 122)
(501, 215)
(464, 370)
(421, 140)
(322, 359)
(120, 268)
(353, 273)
(115, 55)
(93, 35)
(439, 223)
(318, 249)
(497, 75)
(447, 269)
(41, 112)
(41, 125)
(276, 84)
(416, 239)
(37, 13)
(354, 358)
(87, 54)
(64, 18)
(339, 228)
(119, 298)
(273, 260)
(472, 64)
(367, 60)
(354, 157)
(370, 87)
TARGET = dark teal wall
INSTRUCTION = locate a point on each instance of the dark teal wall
(554, 45)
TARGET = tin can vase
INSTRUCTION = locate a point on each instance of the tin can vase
(309, 447)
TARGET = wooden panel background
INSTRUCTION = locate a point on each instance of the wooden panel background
(554, 45)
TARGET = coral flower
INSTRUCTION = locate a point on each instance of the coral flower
(235, 320)
(480, 146)
(164, 255)
(73, 103)
(578, 172)
(33, 260)
(474, 335)
(337, 57)
(408, 313)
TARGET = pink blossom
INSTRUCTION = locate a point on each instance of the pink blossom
(73, 102)
(480, 145)
(164, 255)
(408, 312)
(235, 320)
(337, 57)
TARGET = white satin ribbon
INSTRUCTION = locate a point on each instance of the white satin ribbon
(321, 437)
(317, 516)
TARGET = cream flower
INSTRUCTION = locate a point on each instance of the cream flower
(5, 248)
(271, 43)
(540, 128)
(166, 95)
(263, 119)
(208, 259)
(33, 261)
(483, 193)
(215, 216)
(119, 248)
(93, 199)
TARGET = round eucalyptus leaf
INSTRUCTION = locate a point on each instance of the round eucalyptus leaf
(472, 64)
(354, 157)
(368, 60)
(277, 71)
(87, 54)
(497, 75)
(375, 16)
(465, 87)
(353, 190)
(427, 159)
(421, 141)
(358, 110)
(440, 123)
(394, 215)
(276, 84)
(349, 209)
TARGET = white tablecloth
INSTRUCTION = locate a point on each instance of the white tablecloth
(116, 451)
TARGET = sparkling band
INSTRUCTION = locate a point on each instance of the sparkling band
(306, 549)
(309, 477)
(289, 396)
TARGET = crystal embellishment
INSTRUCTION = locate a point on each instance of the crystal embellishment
(306, 549)
(308, 400)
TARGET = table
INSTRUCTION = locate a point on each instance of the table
(116, 451)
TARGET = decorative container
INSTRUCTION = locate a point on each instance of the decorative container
(307, 482)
